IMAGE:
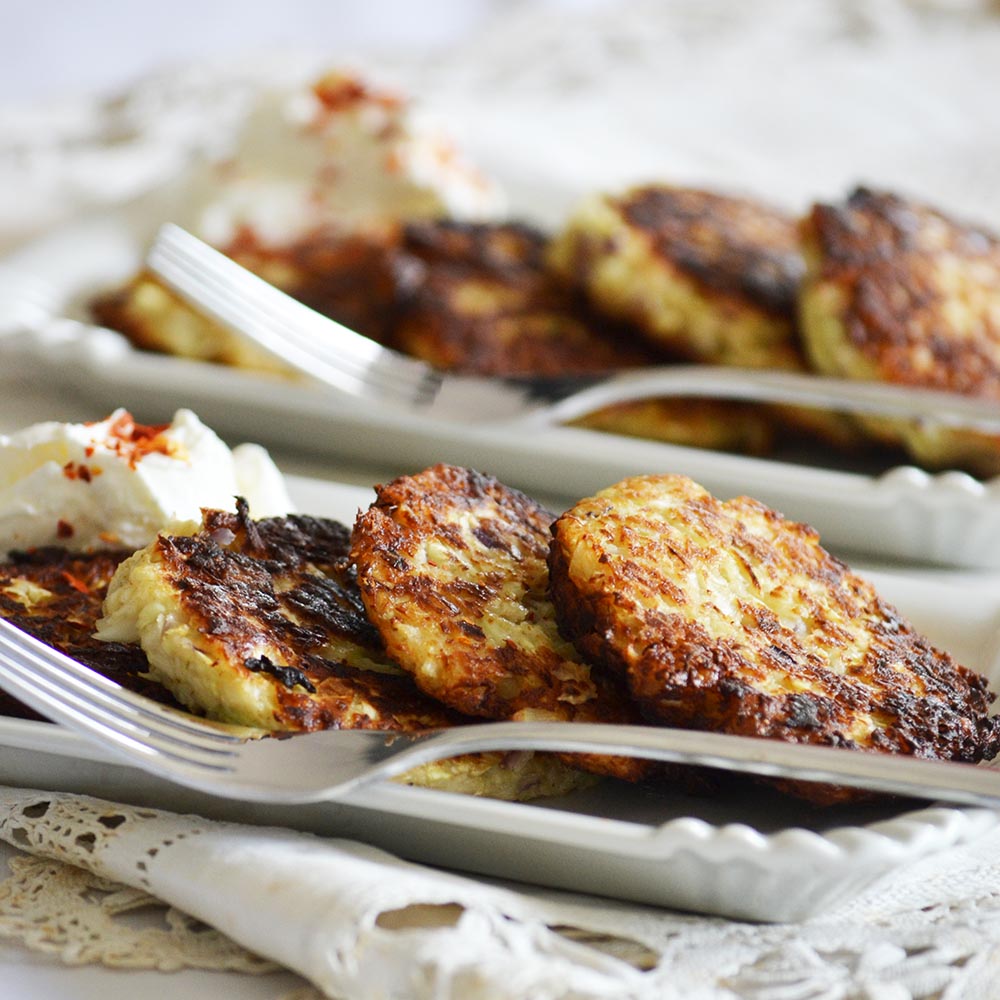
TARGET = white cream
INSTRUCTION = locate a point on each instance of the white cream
(340, 155)
(113, 483)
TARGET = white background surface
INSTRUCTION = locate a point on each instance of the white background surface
(58, 47)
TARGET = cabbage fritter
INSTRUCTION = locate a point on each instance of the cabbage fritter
(154, 318)
(708, 277)
(725, 616)
(56, 596)
(899, 292)
(259, 623)
(477, 298)
(452, 570)
(705, 277)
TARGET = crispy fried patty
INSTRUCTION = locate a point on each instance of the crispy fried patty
(260, 623)
(476, 298)
(899, 292)
(706, 276)
(725, 616)
(56, 596)
(452, 569)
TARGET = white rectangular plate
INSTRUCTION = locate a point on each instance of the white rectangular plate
(755, 856)
(949, 519)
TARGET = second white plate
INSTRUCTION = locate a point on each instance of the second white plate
(948, 519)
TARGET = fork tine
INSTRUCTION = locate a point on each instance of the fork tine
(21, 646)
(281, 325)
(334, 343)
(72, 693)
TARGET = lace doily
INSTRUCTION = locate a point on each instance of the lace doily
(359, 923)
(80, 917)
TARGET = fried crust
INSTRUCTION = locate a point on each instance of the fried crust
(452, 570)
(261, 624)
(898, 292)
(476, 298)
(727, 617)
(708, 277)
(56, 596)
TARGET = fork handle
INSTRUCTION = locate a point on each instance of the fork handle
(899, 774)
(791, 388)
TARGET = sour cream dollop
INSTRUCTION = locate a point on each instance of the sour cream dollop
(115, 483)
(341, 155)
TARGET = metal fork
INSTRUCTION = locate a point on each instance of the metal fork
(330, 764)
(357, 366)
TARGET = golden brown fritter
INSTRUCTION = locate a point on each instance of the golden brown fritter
(154, 318)
(452, 570)
(261, 624)
(56, 596)
(708, 277)
(899, 292)
(725, 616)
(476, 298)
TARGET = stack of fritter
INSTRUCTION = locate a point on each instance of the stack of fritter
(256, 624)
(711, 615)
(876, 288)
(456, 598)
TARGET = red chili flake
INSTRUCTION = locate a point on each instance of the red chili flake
(75, 582)
(133, 441)
(393, 162)
(64, 529)
(71, 470)
(339, 91)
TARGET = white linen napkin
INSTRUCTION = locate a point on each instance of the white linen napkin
(352, 919)
(361, 924)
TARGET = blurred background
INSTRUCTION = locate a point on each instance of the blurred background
(58, 47)
(788, 100)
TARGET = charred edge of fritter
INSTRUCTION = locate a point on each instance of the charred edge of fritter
(735, 263)
(874, 227)
(77, 583)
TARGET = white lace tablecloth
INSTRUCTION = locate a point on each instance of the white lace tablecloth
(793, 101)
